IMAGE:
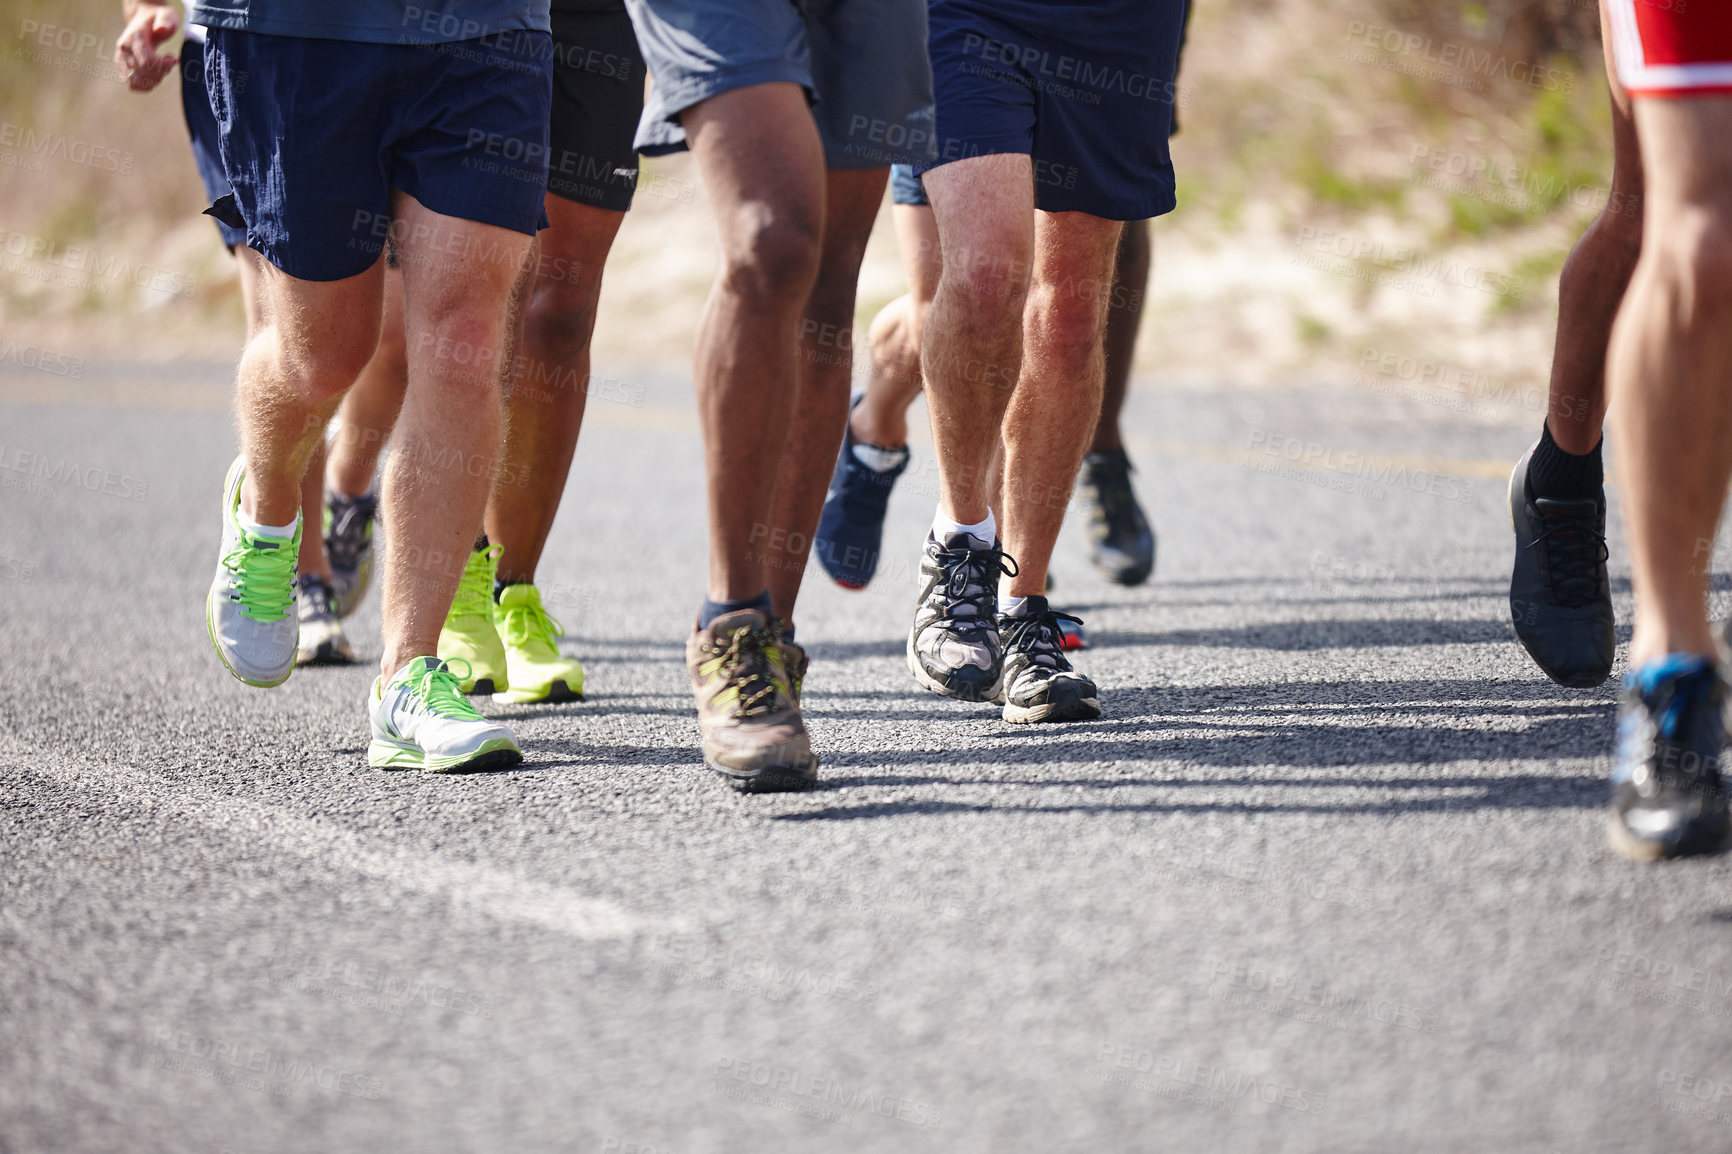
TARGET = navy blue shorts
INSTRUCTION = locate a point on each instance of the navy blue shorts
(1085, 90)
(905, 187)
(317, 133)
(201, 126)
(861, 62)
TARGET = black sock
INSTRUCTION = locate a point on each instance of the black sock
(481, 542)
(499, 588)
(1565, 476)
(714, 609)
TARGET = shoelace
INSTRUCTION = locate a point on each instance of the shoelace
(971, 579)
(440, 690)
(1037, 635)
(475, 588)
(348, 535)
(532, 622)
(746, 665)
(1574, 549)
(265, 585)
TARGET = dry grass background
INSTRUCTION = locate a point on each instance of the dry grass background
(1306, 232)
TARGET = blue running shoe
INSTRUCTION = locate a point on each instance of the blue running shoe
(851, 529)
(1668, 799)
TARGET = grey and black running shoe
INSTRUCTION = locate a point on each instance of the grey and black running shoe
(1039, 683)
(953, 647)
(349, 523)
(1560, 598)
(1121, 544)
(322, 639)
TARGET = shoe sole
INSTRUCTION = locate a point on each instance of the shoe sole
(771, 778)
(989, 693)
(346, 604)
(210, 631)
(557, 692)
(325, 654)
(482, 686)
(495, 753)
(1074, 709)
(1631, 848)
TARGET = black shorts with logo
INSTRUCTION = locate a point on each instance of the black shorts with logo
(598, 87)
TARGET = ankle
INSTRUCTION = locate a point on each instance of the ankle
(874, 428)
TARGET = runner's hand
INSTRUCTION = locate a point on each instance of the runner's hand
(135, 54)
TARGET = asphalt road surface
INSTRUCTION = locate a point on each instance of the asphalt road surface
(1329, 875)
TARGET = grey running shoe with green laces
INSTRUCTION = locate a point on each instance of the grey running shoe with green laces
(250, 610)
(421, 720)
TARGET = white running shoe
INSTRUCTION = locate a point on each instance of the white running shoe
(250, 610)
(421, 720)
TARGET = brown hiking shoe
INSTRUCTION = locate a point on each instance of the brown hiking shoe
(748, 703)
(796, 662)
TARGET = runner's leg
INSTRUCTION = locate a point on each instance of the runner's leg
(852, 199)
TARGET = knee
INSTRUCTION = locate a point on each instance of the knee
(559, 318)
(322, 369)
(464, 346)
(1068, 324)
(771, 255)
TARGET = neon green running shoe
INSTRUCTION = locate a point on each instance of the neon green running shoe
(250, 609)
(421, 720)
(469, 635)
(536, 669)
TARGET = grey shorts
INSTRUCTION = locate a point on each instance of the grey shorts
(862, 63)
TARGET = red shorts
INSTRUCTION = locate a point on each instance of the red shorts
(1672, 47)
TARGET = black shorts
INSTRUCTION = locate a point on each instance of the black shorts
(598, 84)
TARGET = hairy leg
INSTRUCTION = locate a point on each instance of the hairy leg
(1055, 407)
(456, 317)
(369, 410)
(972, 351)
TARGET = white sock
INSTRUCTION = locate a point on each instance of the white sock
(879, 459)
(1012, 606)
(285, 532)
(986, 532)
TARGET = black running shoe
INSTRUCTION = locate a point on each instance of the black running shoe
(1559, 596)
(349, 525)
(851, 527)
(1039, 683)
(953, 647)
(1667, 796)
(1121, 544)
